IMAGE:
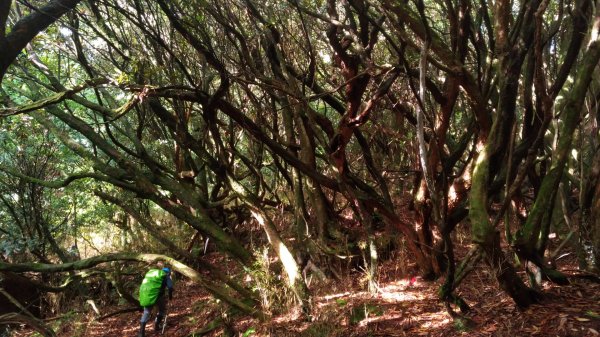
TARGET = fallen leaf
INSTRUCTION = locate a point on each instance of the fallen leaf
(561, 326)
(581, 319)
(491, 328)
(596, 333)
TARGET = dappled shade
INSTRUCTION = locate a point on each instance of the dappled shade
(322, 167)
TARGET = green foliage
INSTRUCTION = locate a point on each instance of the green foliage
(361, 312)
(28, 212)
(249, 332)
(462, 325)
(592, 314)
(341, 302)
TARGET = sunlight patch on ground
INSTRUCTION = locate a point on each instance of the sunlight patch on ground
(334, 296)
(129, 331)
(401, 291)
(372, 320)
(434, 320)
(404, 304)
(292, 315)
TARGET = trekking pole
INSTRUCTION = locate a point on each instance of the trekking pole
(165, 320)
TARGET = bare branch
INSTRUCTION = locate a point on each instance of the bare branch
(27, 28)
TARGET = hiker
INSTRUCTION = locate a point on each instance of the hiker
(152, 293)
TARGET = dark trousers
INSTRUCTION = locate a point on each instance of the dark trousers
(162, 308)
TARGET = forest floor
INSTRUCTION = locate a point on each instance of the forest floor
(403, 306)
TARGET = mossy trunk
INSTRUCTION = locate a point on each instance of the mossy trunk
(594, 220)
(293, 274)
(506, 275)
(292, 270)
(528, 237)
(488, 238)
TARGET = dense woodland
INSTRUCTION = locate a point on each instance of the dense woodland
(294, 142)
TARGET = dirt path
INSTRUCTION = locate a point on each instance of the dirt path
(401, 308)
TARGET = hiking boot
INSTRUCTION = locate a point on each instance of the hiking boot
(157, 323)
(142, 330)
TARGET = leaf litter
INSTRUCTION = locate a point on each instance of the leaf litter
(405, 305)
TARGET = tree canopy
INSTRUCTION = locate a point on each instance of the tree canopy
(337, 128)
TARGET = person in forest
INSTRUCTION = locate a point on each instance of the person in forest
(152, 291)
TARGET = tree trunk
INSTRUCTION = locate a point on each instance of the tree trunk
(293, 273)
(527, 237)
(488, 239)
(594, 218)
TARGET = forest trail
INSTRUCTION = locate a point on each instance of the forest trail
(399, 309)
(375, 139)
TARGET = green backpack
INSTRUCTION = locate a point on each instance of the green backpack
(151, 287)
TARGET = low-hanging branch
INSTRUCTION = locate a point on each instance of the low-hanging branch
(215, 289)
(37, 325)
(156, 234)
(54, 99)
(50, 184)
